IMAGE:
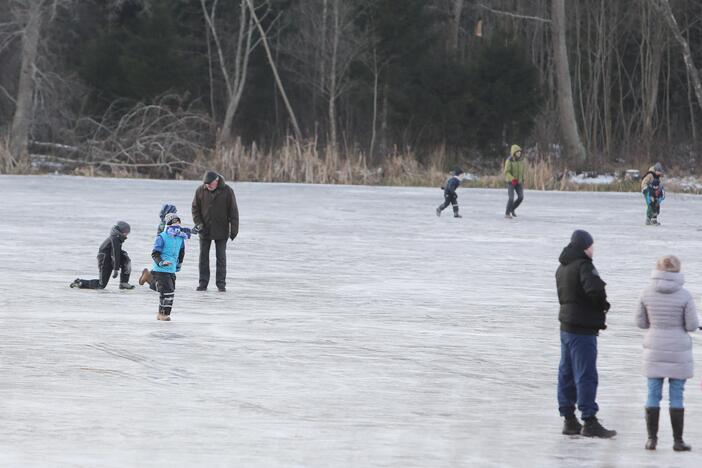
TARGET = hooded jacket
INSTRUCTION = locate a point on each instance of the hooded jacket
(216, 211)
(654, 172)
(581, 293)
(514, 167)
(112, 246)
(667, 312)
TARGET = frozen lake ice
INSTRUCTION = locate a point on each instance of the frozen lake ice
(358, 330)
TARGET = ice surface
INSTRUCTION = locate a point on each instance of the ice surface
(358, 330)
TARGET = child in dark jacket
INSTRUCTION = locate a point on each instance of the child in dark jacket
(111, 259)
(167, 254)
(450, 195)
(653, 192)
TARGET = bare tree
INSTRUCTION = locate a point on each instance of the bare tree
(30, 13)
(276, 75)
(234, 79)
(669, 17)
(566, 109)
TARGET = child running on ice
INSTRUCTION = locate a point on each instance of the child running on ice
(111, 259)
(166, 209)
(653, 192)
(168, 253)
(450, 195)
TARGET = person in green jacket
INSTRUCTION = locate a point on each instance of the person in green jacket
(514, 176)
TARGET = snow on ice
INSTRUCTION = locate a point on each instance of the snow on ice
(358, 330)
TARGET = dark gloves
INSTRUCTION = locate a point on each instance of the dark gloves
(607, 305)
(197, 229)
(514, 182)
(115, 274)
(232, 236)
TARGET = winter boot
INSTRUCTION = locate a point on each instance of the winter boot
(593, 428)
(159, 316)
(571, 425)
(652, 415)
(514, 215)
(76, 283)
(438, 211)
(201, 288)
(126, 286)
(145, 277)
(455, 212)
(508, 215)
(677, 420)
(166, 317)
(654, 221)
(648, 221)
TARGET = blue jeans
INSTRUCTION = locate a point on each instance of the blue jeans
(577, 375)
(676, 387)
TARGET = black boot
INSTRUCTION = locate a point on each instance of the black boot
(571, 425)
(677, 420)
(455, 212)
(593, 428)
(438, 211)
(652, 416)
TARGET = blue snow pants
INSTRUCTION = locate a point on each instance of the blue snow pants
(577, 375)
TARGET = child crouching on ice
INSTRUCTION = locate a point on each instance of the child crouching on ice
(111, 259)
(168, 253)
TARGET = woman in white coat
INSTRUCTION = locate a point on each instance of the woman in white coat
(667, 312)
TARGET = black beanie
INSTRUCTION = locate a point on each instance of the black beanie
(457, 171)
(581, 240)
(210, 176)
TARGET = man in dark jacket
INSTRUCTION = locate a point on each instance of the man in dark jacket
(583, 300)
(216, 218)
(111, 259)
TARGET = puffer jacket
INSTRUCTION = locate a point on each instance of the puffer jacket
(581, 293)
(667, 311)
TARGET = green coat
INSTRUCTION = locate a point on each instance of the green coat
(514, 169)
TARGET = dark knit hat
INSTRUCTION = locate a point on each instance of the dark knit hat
(210, 177)
(581, 240)
(457, 171)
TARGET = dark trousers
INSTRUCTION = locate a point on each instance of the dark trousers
(577, 375)
(165, 285)
(449, 199)
(221, 254)
(511, 204)
(105, 269)
(653, 204)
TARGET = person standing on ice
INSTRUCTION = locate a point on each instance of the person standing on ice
(514, 175)
(583, 308)
(111, 260)
(667, 312)
(167, 254)
(216, 218)
(652, 189)
(450, 195)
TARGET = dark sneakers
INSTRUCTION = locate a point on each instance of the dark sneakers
(201, 288)
(221, 289)
(593, 428)
(571, 426)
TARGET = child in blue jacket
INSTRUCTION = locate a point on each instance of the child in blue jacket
(167, 254)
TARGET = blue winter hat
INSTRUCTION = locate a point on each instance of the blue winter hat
(582, 240)
(167, 208)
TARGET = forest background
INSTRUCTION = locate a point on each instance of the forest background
(349, 91)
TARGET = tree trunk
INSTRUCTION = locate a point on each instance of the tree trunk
(569, 126)
(454, 26)
(333, 78)
(694, 74)
(278, 82)
(21, 122)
